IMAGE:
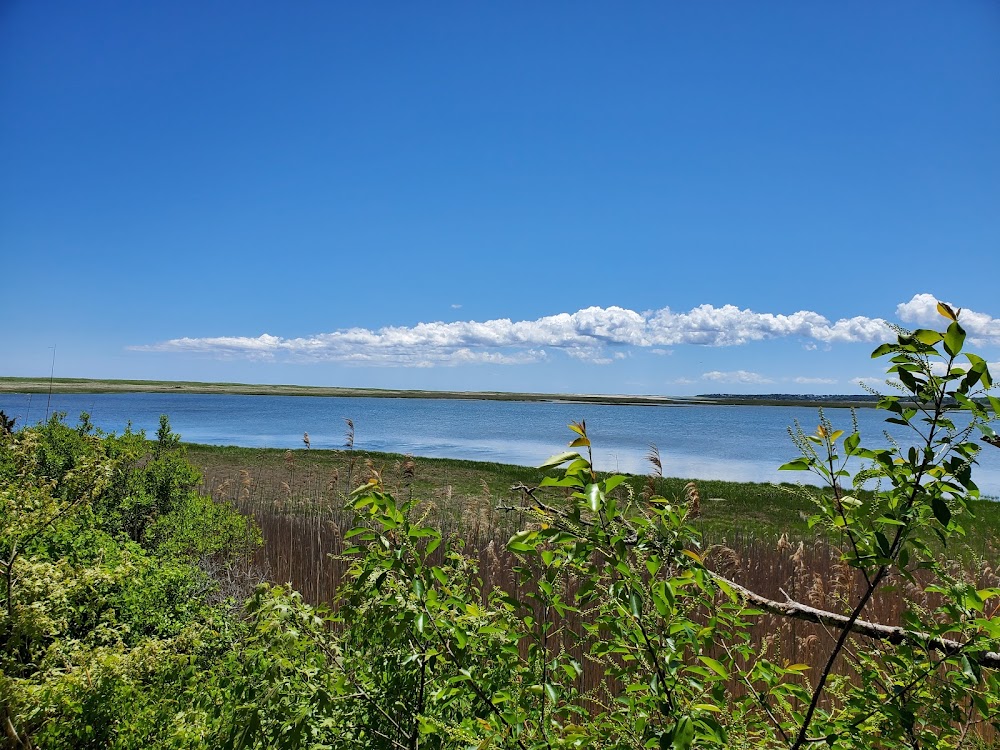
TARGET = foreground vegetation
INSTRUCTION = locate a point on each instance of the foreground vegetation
(576, 610)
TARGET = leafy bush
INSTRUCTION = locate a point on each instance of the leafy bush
(105, 609)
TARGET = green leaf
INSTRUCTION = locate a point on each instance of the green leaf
(798, 464)
(925, 336)
(635, 604)
(558, 459)
(883, 544)
(995, 403)
(520, 541)
(368, 534)
(613, 481)
(954, 337)
(561, 482)
(851, 443)
(941, 511)
(726, 589)
(715, 666)
(595, 498)
(891, 403)
(907, 379)
(662, 608)
(890, 521)
(970, 668)
(972, 377)
(551, 692)
(683, 734)
(421, 532)
(980, 365)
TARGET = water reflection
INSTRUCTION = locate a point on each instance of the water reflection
(741, 443)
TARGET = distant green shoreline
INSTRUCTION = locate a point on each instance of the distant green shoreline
(86, 385)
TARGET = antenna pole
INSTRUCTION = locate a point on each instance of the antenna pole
(51, 373)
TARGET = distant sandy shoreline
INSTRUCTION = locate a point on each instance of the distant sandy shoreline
(86, 385)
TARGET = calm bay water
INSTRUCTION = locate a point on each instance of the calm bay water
(741, 443)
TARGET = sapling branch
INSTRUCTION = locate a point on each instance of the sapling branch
(338, 660)
(838, 501)
(761, 701)
(486, 700)
(920, 389)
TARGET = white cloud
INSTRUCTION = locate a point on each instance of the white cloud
(938, 368)
(729, 326)
(742, 377)
(814, 381)
(922, 310)
(593, 334)
(456, 306)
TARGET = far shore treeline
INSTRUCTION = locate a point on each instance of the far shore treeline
(89, 385)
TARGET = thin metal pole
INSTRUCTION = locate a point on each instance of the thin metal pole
(52, 372)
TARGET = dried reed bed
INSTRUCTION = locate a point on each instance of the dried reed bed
(300, 509)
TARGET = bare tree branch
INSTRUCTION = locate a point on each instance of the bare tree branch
(890, 633)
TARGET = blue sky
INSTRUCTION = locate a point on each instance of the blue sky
(651, 197)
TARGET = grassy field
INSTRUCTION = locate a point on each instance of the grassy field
(460, 489)
(457, 490)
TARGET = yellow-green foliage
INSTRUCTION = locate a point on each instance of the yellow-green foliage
(108, 615)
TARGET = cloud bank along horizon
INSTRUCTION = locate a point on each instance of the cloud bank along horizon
(597, 335)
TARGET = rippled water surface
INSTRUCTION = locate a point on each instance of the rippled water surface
(742, 443)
